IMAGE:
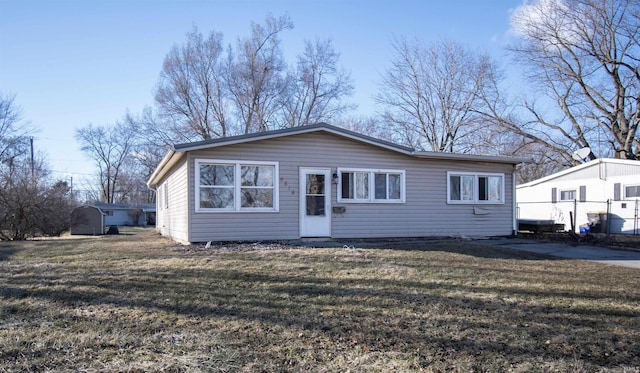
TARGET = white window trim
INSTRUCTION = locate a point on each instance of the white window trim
(237, 185)
(372, 194)
(575, 195)
(624, 191)
(475, 200)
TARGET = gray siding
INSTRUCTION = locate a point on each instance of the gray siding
(425, 213)
(87, 220)
(173, 221)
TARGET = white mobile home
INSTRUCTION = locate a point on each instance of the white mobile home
(324, 181)
(586, 192)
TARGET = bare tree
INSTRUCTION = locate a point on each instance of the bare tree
(256, 78)
(110, 148)
(369, 125)
(29, 204)
(151, 129)
(132, 187)
(151, 144)
(318, 87)
(190, 94)
(55, 205)
(13, 133)
(585, 56)
(430, 95)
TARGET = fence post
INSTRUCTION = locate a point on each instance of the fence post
(574, 221)
(608, 217)
(635, 218)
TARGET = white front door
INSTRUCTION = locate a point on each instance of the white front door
(315, 202)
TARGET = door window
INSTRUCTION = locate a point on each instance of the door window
(315, 195)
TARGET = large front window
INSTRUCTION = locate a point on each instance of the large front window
(465, 187)
(361, 185)
(236, 186)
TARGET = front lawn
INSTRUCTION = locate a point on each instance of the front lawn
(137, 302)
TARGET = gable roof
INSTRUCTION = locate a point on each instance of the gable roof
(207, 144)
(571, 170)
(174, 155)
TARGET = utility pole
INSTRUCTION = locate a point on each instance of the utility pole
(31, 141)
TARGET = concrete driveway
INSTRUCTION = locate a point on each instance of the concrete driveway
(625, 258)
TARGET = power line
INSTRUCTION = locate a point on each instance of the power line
(72, 173)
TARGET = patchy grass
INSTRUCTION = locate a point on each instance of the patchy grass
(138, 302)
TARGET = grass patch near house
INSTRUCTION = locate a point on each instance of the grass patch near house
(137, 302)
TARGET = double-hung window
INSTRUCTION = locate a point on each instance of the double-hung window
(236, 185)
(468, 187)
(371, 186)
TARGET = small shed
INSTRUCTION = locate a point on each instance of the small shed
(87, 220)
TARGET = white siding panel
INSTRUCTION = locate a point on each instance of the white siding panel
(603, 170)
(425, 212)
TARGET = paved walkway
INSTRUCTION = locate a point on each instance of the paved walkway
(625, 258)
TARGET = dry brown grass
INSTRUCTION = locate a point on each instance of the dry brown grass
(137, 302)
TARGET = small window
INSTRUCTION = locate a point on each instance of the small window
(355, 185)
(567, 195)
(366, 186)
(257, 185)
(461, 187)
(387, 186)
(217, 186)
(108, 212)
(490, 188)
(632, 191)
(236, 186)
(465, 187)
(165, 195)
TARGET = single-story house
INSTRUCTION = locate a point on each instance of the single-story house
(128, 214)
(87, 220)
(324, 181)
(585, 194)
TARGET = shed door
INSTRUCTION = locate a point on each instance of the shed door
(315, 202)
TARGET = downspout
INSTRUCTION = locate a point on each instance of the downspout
(514, 231)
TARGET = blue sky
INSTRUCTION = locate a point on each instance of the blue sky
(71, 63)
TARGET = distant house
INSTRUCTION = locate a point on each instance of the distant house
(126, 214)
(87, 220)
(585, 193)
(324, 181)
